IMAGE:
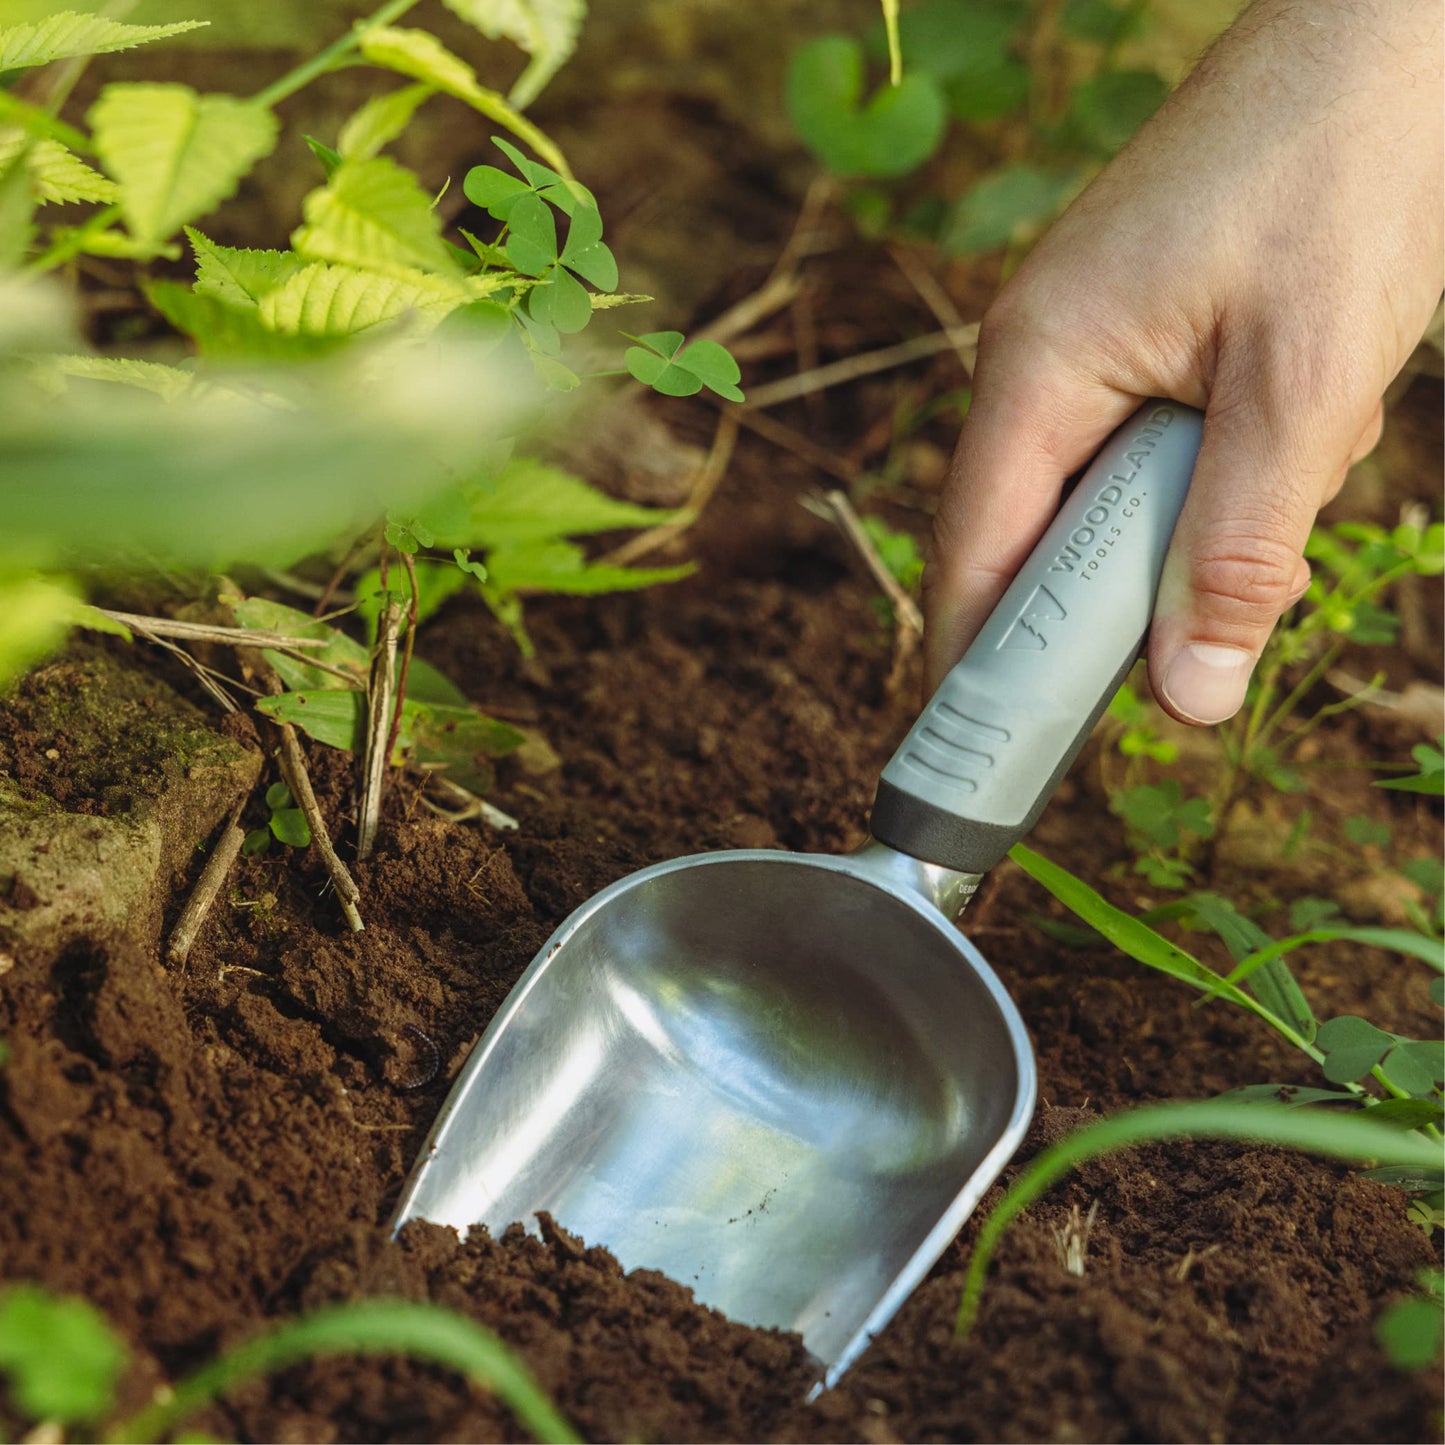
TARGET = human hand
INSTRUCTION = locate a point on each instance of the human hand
(1268, 249)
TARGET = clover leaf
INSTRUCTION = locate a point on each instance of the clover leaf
(659, 360)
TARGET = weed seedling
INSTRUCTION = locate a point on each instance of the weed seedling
(287, 824)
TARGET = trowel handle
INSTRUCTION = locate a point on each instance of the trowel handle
(976, 769)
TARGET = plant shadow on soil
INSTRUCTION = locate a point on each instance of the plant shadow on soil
(201, 1151)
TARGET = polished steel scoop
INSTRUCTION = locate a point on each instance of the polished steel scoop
(785, 1080)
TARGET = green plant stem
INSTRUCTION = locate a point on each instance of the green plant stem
(72, 243)
(324, 59)
(1340, 1137)
(374, 1327)
(1327, 660)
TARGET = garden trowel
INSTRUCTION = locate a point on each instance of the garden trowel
(785, 1080)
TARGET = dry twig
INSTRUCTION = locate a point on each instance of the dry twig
(209, 632)
(469, 806)
(904, 607)
(208, 886)
(381, 695)
(298, 779)
(931, 293)
(784, 436)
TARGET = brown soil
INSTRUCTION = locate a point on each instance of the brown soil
(201, 1152)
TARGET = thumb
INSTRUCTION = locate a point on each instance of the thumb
(1236, 561)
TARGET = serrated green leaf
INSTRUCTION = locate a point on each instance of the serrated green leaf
(334, 300)
(560, 567)
(236, 275)
(531, 501)
(68, 33)
(380, 121)
(173, 153)
(226, 332)
(374, 215)
(546, 29)
(1016, 201)
(1352, 1047)
(62, 1358)
(894, 132)
(166, 382)
(423, 57)
(56, 173)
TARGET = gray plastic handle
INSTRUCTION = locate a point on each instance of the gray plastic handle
(976, 769)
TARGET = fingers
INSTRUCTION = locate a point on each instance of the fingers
(1033, 422)
(1236, 562)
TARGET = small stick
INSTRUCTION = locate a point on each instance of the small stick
(206, 632)
(865, 363)
(708, 478)
(208, 886)
(938, 301)
(471, 806)
(904, 607)
(782, 435)
(412, 619)
(378, 728)
(298, 779)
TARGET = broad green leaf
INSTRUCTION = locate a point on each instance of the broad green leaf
(1410, 1332)
(423, 57)
(335, 300)
(1352, 1047)
(380, 121)
(562, 191)
(659, 361)
(175, 154)
(495, 191)
(1108, 108)
(557, 566)
(1014, 202)
(1408, 1113)
(289, 826)
(298, 673)
(584, 252)
(532, 501)
(1431, 784)
(890, 134)
(373, 214)
(1291, 1094)
(67, 33)
(546, 29)
(714, 366)
(561, 301)
(225, 332)
(334, 716)
(36, 615)
(166, 382)
(241, 277)
(278, 795)
(531, 235)
(1101, 22)
(56, 173)
(460, 741)
(1416, 1065)
(62, 1359)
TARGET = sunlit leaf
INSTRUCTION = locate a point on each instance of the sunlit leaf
(236, 275)
(67, 33)
(62, 1359)
(546, 29)
(380, 121)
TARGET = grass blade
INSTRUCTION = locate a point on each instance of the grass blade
(374, 1327)
(1350, 1137)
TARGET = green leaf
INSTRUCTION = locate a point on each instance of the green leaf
(336, 717)
(278, 795)
(373, 214)
(67, 33)
(225, 332)
(546, 29)
(289, 826)
(328, 157)
(36, 614)
(532, 235)
(380, 121)
(1108, 108)
(340, 651)
(561, 567)
(238, 276)
(336, 300)
(460, 741)
(256, 842)
(1408, 1113)
(660, 362)
(166, 382)
(63, 1359)
(532, 501)
(1410, 1332)
(1013, 203)
(1352, 1047)
(890, 134)
(584, 252)
(495, 191)
(175, 154)
(1416, 1066)
(1290, 1094)
(1367, 832)
(561, 301)
(56, 174)
(1100, 21)
(1431, 784)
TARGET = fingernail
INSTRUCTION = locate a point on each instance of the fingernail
(1205, 683)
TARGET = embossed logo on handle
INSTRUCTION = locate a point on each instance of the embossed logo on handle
(1027, 632)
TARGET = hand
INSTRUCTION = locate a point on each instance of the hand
(1268, 249)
